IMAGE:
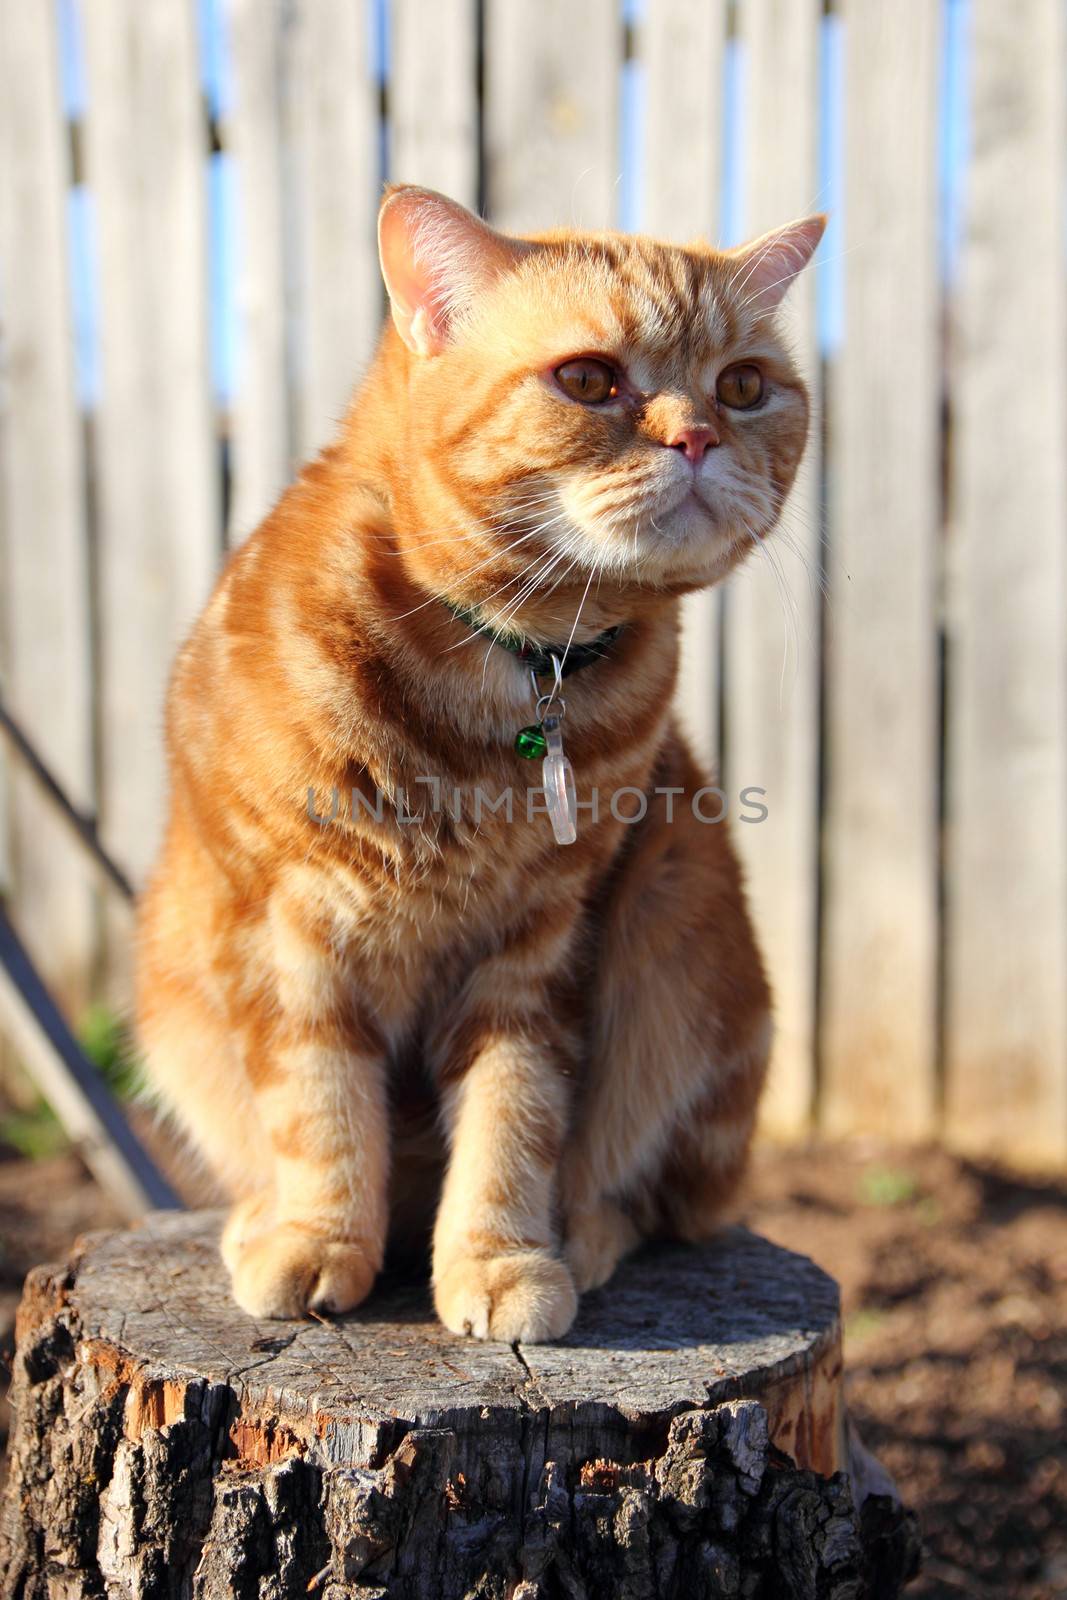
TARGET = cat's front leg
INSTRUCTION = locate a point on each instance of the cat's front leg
(311, 1237)
(680, 1031)
(505, 1093)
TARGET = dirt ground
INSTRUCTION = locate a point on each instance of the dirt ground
(954, 1281)
(954, 1287)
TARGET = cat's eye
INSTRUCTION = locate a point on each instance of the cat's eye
(740, 387)
(587, 379)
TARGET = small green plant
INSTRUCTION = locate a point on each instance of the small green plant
(861, 1324)
(35, 1131)
(106, 1041)
(887, 1186)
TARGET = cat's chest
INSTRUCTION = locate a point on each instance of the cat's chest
(415, 911)
(447, 842)
(426, 880)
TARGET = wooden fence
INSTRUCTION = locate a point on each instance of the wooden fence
(903, 706)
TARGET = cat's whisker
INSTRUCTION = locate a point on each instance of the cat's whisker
(494, 555)
(499, 522)
(817, 578)
(577, 618)
(771, 555)
(542, 528)
(461, 536)
(492, 526)
(791, 638)
(528, 591)
(488, 653)
(561, 552)
(539, 559)
(559, 581)
(792, 536)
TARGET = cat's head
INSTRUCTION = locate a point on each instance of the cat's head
(577, 404)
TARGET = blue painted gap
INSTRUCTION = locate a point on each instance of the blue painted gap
(630, 188)
(734, 143)
(216, 79)
(954, 133)
(222, 276)
(380, 22)
(633, 106)
(71, 58)
(83, 279)
(216, 72)
(830, 262)
(380, 55)
(84, 294)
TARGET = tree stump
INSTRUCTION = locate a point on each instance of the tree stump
(686, 1439)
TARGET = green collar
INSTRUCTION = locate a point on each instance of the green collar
(539, 658)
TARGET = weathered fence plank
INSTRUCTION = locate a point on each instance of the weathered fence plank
(681, 49)
(773, 606)
(879, 1029)
(1007, 683)
(433, 97)
(551, 104)
(156, 457)
(44, 585)
(259, 409)
(335, 132)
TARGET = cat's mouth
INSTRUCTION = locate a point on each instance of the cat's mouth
(695, 538)
(694, 513)
(687, 531)
(693, 497)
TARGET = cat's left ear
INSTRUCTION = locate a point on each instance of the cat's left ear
(436, 257)
(769, 264)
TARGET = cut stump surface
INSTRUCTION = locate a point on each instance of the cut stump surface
(685, 1439)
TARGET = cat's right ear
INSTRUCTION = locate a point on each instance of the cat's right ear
(436, 256)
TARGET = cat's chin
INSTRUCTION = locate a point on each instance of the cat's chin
(695, 519)
(697, 541)
(688, 546)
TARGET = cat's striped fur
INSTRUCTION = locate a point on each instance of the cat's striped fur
(575, 1037)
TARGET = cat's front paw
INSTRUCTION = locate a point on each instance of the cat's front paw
(288, 1271)
(525, 1295)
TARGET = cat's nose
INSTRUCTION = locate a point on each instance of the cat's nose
(693, 442)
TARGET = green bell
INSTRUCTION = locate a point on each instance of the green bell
(530, 743)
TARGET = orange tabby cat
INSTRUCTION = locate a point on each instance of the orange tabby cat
(424, 1008)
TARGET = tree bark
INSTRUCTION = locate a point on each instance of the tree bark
(686, 1439)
